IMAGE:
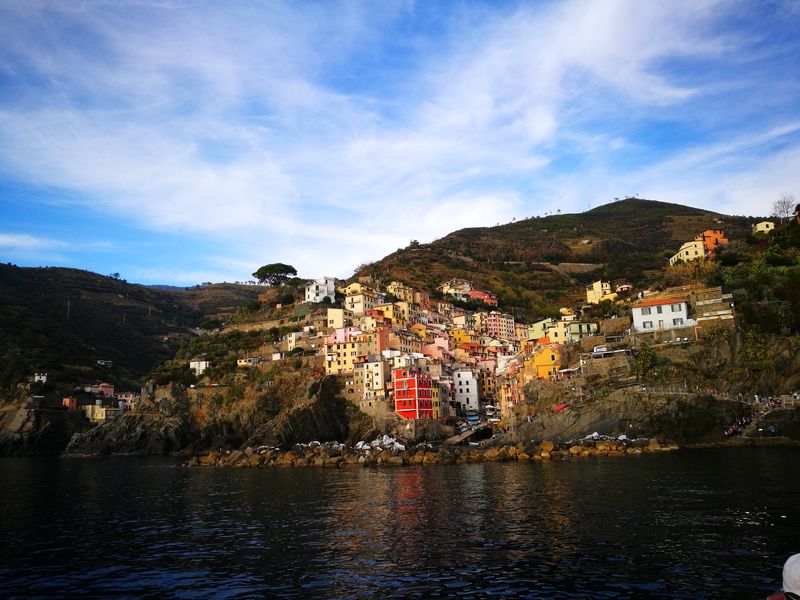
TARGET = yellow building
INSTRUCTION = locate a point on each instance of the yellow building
(435, 402)
(401, 291)
(599, 291)
(460, 335)
(694, 250)
(421, 331)
(763, 227)
(352, 289)
(341, 357)
(338, 318)
(543, 364)
(397, 312)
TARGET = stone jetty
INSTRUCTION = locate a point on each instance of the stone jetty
(388, 452)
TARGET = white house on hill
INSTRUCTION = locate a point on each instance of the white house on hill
(658, 314)
(324, 287)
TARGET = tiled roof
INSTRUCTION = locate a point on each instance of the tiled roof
(658, 302)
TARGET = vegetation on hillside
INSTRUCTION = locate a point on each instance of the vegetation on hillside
(538, 264)
(62, 321)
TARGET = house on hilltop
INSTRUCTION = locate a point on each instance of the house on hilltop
(763, 227)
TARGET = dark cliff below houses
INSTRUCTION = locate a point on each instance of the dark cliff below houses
(175, 420)
(38, 432)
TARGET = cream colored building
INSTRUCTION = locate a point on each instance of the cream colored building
(763, 227)
(370, 379)
(599, 291)
(361, 303)
(694, 250)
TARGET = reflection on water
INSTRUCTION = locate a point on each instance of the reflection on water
(690, 524)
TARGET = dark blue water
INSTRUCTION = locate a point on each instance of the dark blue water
(692, 524)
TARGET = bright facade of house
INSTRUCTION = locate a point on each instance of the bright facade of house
(339, 317)
(467, 392)
(763, 227)
(199, 365)
(485, 297)
(544, 363)
(319, 289)
(695, 250)
(659, 314)
(500, 325)
(401, 291)
(361, 303)
(599, 291)
(371, 378)
(413, 397)
(712, 239)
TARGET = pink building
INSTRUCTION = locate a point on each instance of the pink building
(500, 325)
(342, 335)
(106, 390)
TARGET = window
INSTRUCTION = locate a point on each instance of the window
(659, 309)
(677, 321)
(647, 325)
(646, 310)
(676, 307)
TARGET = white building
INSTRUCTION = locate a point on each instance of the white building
(317, 290)
(465, 384)
(659, 314)
(199, 364)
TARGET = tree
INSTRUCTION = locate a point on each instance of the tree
(783, 207)
(275, 274)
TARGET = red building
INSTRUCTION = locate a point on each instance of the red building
(412, 394)
(485, 297)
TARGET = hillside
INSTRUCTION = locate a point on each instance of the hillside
(536, 264)
(63, 321)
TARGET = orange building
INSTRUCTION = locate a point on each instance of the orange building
(712, 239)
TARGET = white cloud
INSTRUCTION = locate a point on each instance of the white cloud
(251, 125)
(17, 241)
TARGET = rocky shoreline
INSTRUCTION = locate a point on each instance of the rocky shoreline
(387, 452)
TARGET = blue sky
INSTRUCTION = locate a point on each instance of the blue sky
(179, 142)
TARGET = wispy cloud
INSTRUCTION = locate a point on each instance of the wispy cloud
(28, 242)
(329, 135)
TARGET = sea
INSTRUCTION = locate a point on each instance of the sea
(711, 523)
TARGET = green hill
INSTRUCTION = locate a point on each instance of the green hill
(63, 321)
(537, 264)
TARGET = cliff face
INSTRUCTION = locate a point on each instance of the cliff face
(683, 419)
(32, 432)
(175, 420)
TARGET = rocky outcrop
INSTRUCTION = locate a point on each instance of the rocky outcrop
(325, 417)
(133, 433)
(34, 431)
(635, 413)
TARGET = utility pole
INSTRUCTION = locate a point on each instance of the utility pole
(68, 307)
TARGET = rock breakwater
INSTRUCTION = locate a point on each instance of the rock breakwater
(388, 452)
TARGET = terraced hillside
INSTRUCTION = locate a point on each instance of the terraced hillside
(537, 264)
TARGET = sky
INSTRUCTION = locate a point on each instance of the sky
(178, 142)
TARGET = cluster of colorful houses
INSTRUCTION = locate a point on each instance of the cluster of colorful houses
(396, 349)
(98, 401)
